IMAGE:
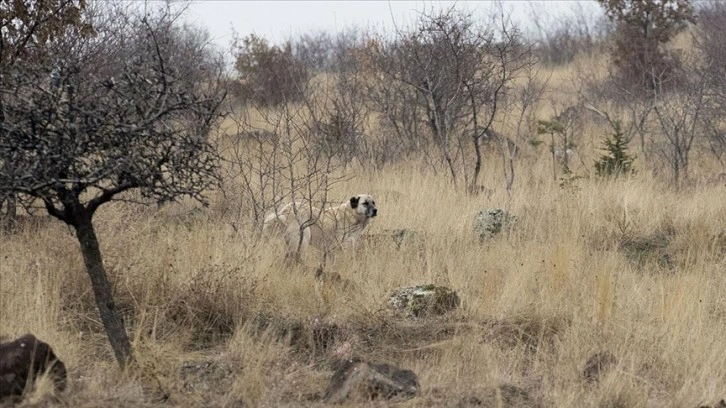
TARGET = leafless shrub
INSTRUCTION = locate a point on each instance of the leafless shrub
(521, 110)
(710, 41)
(615, 101)
(343, 126)
(269, 75)
(681, 118)
(667, 123)
(401, 131)
(315, 50)
(561, 39)
(453, 74)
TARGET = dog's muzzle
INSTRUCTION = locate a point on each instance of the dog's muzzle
(372, 212)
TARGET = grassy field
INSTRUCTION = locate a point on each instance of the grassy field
(631, 267)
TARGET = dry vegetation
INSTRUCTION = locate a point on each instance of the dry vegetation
(629, 266)
(624, 266)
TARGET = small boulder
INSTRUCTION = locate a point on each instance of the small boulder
(25, 359)
(598, 364)
(424, 300)
(358, 380)
(491, 222)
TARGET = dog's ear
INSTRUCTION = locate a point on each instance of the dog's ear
(354, 202)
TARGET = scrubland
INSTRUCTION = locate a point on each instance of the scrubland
(627, 266)
(630, 266)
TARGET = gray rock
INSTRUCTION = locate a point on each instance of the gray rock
(358, 380)
(23, 360)
(491, 222)
(424, 300)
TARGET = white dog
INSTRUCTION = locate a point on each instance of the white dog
(303, 225)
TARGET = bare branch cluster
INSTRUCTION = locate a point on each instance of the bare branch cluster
(453, 74)
(281, 155)
(124, 109)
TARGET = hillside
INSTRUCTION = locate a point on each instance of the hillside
(630, 266)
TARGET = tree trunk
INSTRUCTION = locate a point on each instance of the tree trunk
(477, 162)
(8, 216)
(110, 317)
(450, 162)
(676, 171)
(510, 176)
(554, 159)
(644, 152)
(477, 142)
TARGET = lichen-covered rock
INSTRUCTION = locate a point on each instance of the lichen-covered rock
(491, 222)
(358, 380)
(424, 300)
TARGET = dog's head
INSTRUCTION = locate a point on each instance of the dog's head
(364, 205)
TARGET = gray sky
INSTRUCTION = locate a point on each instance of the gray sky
(280, 20)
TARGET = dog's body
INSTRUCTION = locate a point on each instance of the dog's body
(303, 225)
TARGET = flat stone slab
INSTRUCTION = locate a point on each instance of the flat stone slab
(358, 380)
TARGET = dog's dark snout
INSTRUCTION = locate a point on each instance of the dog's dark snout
(374, 212)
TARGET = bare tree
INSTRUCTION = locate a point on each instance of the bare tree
(680, 116)
(455, 75)
(710, 41)
(563, 128)
(402, 130)
(314, 50)
(560, 39)
(520, 115)
(127, 109)
(668, 122)
(27, 32)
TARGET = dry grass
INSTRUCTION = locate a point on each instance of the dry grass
(627, 267)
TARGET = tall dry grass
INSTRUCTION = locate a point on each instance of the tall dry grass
(627, 266)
